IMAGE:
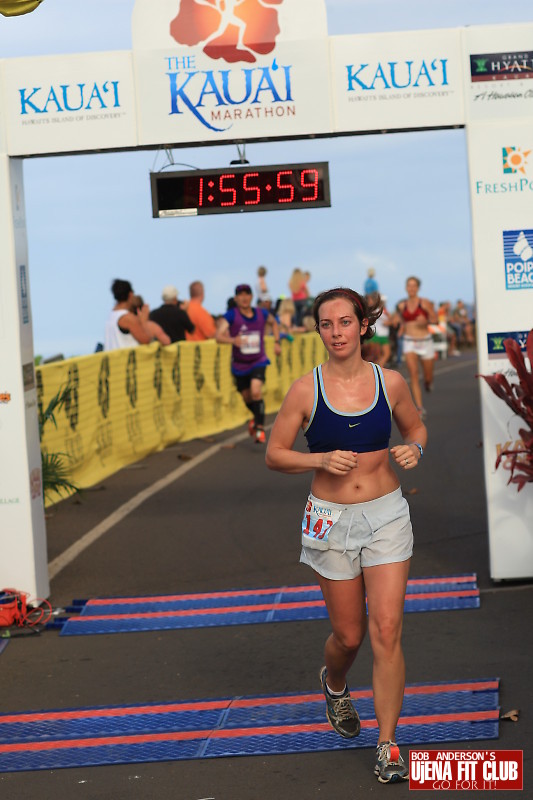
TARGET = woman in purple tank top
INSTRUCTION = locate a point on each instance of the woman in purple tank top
(243, 326)
(356, 530)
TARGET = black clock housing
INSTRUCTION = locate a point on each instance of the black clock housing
(239, 189)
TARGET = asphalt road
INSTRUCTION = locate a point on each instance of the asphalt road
(225, 522)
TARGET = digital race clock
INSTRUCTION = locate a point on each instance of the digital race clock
(222, 191)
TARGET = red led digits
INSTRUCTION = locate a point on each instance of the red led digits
(310, 184)
(251, 188)
(288, 186)
(227, 190)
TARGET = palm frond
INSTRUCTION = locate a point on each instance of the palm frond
(55, 405)
(56, 475)
(55, 471)
(519, 398)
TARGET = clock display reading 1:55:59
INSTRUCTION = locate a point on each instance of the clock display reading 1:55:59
(238, 189)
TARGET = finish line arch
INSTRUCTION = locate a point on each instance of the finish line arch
(198, 80)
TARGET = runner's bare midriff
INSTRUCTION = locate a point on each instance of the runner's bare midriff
(417, 328)
(372, 478)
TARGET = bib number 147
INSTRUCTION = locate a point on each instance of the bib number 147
(320, 528)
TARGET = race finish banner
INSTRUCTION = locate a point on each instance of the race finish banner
(209, 73)
(231, 72)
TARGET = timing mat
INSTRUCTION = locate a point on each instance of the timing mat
(239, 726)
(248, 606)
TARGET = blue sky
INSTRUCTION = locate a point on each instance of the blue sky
(399, 202)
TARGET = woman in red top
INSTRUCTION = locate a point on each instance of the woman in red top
(299, 293)
(416, 314)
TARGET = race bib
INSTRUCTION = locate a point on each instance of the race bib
(420, 347)
(250, 343)
(317, 522)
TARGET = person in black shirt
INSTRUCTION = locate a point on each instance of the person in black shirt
(171, 317)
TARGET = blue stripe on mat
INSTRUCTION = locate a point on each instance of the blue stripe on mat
(454, 711)
(286, 604)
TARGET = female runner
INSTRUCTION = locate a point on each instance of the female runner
(416, 314)
(356, 530)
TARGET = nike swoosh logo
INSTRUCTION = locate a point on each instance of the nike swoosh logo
(354, 425)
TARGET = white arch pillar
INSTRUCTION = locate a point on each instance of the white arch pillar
(23, 560)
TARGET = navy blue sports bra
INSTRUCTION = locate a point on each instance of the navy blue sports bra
(359, 431)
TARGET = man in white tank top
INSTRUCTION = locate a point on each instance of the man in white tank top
(123, 328)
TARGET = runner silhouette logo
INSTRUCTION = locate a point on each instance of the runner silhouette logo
(233, 30)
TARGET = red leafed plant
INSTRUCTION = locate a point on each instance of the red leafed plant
(519, 398)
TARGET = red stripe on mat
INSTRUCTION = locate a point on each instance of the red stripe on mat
(116, 601)
(197, 612)
(64, 744)
(431, 595)
(210, 705)
(111, 601)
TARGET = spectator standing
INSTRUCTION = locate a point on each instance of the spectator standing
(286, 315)
(171, 317)
(461, 318)
(261, 288)
(308, 307)
(244, 327)
(299, 293)
(266, 304)
(371, 284)
(449, 330)
(123, 327)
(396, 335)
(204, 324)
(156, 331)
(382, 330)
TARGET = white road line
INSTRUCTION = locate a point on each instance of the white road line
(72, 552)
(517, 588)
(454, 366)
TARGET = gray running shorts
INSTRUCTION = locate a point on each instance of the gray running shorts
(339, 540)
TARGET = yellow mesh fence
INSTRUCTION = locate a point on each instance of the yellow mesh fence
(125, 404)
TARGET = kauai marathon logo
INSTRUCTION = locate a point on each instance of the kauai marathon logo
(515, 161)
(240, 34)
